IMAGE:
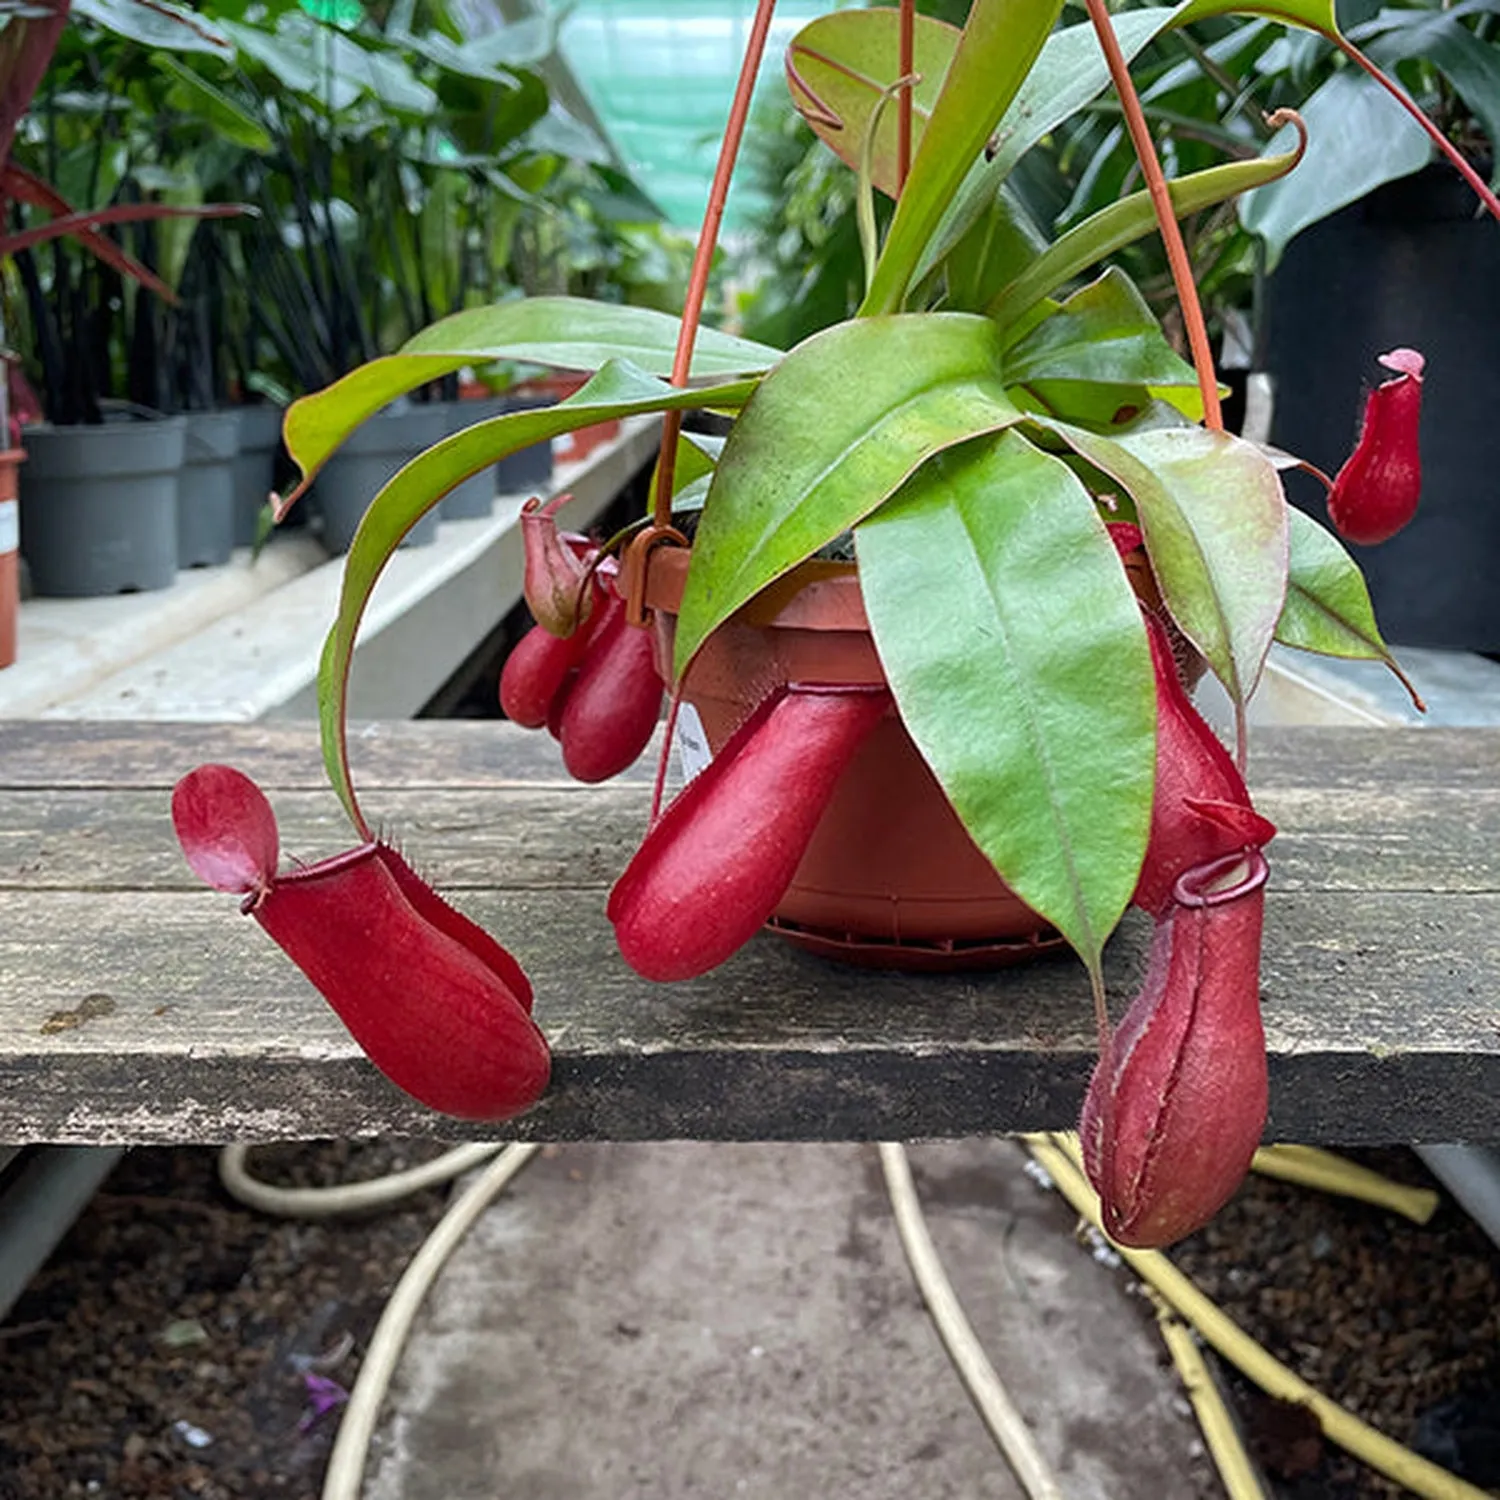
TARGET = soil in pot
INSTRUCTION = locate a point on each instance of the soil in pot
(99, 506)
(475, 496)
(254, 467)
(372, 455)
(891, 877)
(205, 492)
(1410, 265)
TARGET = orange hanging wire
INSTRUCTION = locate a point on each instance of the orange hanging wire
(708, 238)
(1448, 149)
(1166, 218)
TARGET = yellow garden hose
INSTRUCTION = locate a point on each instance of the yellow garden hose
(985, 1387)
(1219, 1430)
(1058, 1155)
(1309, 1167)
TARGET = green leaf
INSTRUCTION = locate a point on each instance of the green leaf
(692, 466)
(1358, 138)
(1000, 42)
(293, 63)
(1069, 72)
(616, 391)
(1123, 223)
(839, 66)
(1327, 607)
(568, 332)
(1014, 647)
(1104, 332)
(997, 248)
(194, 95)
(1472, 66)
(1215, 522)
(833, 430)
(574, 333)
(1310, 15)
(173, 28)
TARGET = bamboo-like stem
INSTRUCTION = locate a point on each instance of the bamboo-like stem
(703, 256)
(907, 66)
(1161, 201)
(1410, 105)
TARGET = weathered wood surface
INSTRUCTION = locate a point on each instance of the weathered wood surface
(137, 1006)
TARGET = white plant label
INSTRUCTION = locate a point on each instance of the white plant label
(690, 742)
(10, 526)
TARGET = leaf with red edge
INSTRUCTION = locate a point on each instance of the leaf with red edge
(226, 828)
(83, 224)
(27, 43)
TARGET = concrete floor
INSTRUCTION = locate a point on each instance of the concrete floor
(708, 1320)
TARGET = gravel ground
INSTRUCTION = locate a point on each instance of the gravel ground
(170, 1315)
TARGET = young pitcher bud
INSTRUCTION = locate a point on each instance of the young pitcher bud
(555, 579)
(1376, 492)
(435, 1002)
(536, 671)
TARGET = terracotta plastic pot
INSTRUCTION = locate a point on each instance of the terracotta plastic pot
(10, 538)
(891, 877)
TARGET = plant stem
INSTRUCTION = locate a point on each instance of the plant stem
(907, 65)
(1161, 201)
(703, 256)
(1394, 89)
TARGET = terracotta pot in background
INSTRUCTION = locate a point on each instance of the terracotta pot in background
(891, 877)
(10, 539)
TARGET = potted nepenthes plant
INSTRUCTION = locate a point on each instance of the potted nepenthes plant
(926, 621)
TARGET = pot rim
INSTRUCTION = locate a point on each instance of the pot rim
(816, 595)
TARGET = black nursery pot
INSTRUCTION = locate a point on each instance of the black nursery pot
(1410, 264)
(527, 469)
(99, 506)
(205, 489)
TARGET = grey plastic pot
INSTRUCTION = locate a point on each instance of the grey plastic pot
(205, 493)
(254, 467)
(475, 496)
(371, 455)
(99, 506)
(528, 469)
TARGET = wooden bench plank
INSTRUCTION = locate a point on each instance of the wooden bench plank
(136, 1006)
(478, 753)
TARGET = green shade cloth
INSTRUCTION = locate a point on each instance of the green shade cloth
(661, 74)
